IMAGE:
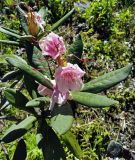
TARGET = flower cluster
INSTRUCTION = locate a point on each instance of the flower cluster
(68, 77)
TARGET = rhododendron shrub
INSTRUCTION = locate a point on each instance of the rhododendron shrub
(45, 93)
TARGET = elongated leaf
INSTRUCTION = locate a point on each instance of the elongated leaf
(76, 50)
(108, 80)
(18, 62)
(17, 99)
(29, 50)
(23, 20)
(72, 144)
(9, 42)
(10, 30)
(92, 100)
(11, 75)
(38, 101)
(20, 152)
(31, 86)
(48, 141)
(62, 118)
(9, 33)
(17, 131)
(62, 20)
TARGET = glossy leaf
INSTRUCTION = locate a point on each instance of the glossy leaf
(11, 30)
(62, 20)
(23, 20)
(9, 42)
(11, 75)
(38, 101)
(9, 33)
(48, 141)
(17, 99)
(62, 118)
(92, 100)
(18, 62)
(76, 50)
(29, 51)
(17, 131)
(20, 152)
(72, 144)
(108, 80)
(30, 85)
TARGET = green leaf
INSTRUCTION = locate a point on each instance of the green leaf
(108, 80)
(62, 118)
(31, 86)
(23, 20)
(72, 144)
(62, 20)
(10, 30)
(40, 62)
(9, 42)
(92, 100)
(9, 33)
(17, 99)
(11, 75)
(17, 131)
(29, 51)
(20, 152)
(36, 75)
(76, 50)
(38, 101)
(48, 141)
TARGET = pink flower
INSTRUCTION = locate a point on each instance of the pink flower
(56, 96)
(44, 91)
(69, 78)
(52, 45)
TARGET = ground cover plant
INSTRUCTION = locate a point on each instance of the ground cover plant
(56, 78)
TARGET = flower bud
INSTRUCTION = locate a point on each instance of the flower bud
(35, 22)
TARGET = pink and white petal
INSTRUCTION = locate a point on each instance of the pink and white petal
(62, 85)
(76, 86)
(44, 91)
(58, 98)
